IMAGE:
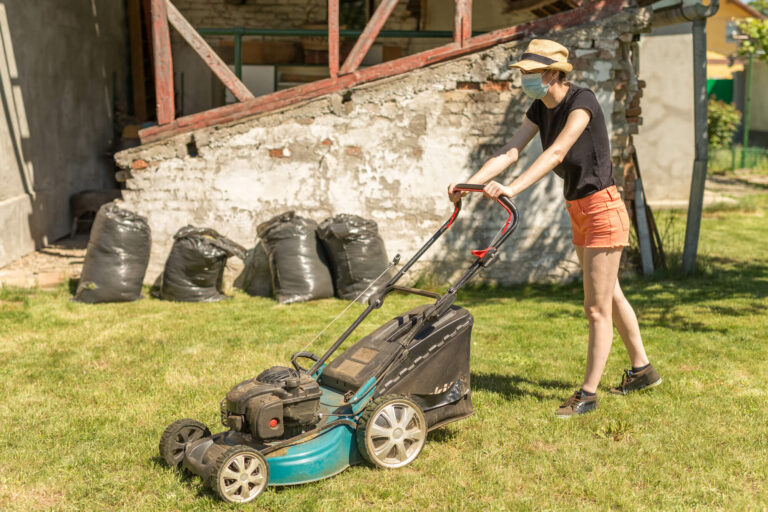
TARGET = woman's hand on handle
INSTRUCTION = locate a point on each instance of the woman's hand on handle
(453, 194)
(494, 190)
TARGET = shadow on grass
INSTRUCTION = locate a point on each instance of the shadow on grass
(657, 297)
(509, 386)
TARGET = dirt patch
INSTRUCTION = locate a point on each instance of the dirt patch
(740, 183)
(48, 267)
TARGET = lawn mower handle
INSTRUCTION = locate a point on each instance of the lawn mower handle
(484, 258)
(505, 231)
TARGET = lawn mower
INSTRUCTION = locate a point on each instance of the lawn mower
(374, 402)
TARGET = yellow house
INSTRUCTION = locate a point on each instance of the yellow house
(722, 51)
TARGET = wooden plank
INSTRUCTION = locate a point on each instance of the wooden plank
(138, 80)
(196, 41)
(333, 37)
(161, 48)
(366, 39)
(462, 21)
(287, 97)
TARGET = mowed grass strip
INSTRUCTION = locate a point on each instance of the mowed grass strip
(88, 389)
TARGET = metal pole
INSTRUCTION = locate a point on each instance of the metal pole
(698, 180)
(239, 56)
(643, 236)
(747, 106)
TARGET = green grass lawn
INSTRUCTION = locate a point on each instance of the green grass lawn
(87, 391)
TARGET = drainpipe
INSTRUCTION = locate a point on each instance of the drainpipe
(698, 14)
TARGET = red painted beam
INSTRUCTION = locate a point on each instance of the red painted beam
(333, 37)
(462, 21)
(287, 97)
(196, 41)
(161, 48)
(366, 39)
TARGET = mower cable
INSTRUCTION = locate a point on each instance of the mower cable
(389, 266)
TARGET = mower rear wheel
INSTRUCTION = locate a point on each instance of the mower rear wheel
(391, 432)
(177, 436)
(240, 474)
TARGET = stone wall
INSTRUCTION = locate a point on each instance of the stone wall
(387, 151)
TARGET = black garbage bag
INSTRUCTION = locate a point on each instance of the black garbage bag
(299, 268)
(117, 257)
(256, 278)
(357, 254)
(195, 267)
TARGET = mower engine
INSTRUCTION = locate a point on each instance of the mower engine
(278, 402)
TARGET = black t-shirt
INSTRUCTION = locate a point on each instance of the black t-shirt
(587, 167)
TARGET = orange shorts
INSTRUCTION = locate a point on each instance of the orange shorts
(599, 220)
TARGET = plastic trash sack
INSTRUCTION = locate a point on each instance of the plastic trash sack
(117, 257)
(357, 254)
(256, 278)
(299, 268)
(195, 267)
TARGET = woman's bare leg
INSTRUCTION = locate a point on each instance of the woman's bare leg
(625, 320)
(601, 268)
(626, 323)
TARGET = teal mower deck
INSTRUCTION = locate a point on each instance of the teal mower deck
(373, 403)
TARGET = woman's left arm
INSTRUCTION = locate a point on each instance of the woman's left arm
(575, 125)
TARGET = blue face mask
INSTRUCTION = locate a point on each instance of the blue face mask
(533, 87)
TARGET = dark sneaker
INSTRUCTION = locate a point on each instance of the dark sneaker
(635, 381)
(577, 403)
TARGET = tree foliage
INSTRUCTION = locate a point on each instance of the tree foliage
(722, 121)
(757, 36)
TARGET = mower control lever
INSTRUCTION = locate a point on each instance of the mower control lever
(505, 231)
(307, 355)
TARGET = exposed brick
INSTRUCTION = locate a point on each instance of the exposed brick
(353, 150)
(280, 153)
(139, 164)
(468, 86)
(496, 85)
(326, 142)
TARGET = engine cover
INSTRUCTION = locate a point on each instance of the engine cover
(277, 402)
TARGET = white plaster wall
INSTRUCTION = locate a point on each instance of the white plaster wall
(665, 142)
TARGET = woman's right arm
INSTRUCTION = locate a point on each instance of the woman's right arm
(502, 159)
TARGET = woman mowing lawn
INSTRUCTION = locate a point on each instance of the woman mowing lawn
(575, 141)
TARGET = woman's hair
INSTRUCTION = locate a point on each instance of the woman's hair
(561, 76)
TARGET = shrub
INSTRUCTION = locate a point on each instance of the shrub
(722, 120)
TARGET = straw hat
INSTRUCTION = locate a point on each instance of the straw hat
(544, 54)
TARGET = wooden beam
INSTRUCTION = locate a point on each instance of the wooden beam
(196, 41)
(138, 80)
(462, 21)
(366, 39)
(161, 48)
(333, 37)
(288, 97)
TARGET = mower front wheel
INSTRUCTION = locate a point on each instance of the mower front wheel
(177, 436)
(391, 432)
(240, 474)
